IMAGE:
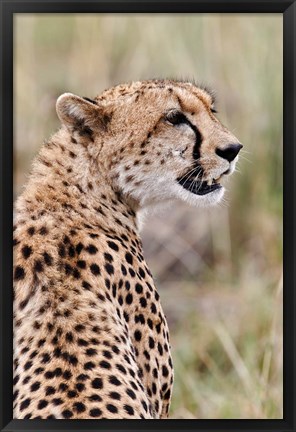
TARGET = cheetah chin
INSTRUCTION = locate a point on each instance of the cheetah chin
(200, 196)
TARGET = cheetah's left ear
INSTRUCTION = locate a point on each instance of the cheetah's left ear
(76, 112)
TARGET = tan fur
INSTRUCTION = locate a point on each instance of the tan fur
(90, 336)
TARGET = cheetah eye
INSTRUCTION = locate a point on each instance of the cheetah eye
(176, 118)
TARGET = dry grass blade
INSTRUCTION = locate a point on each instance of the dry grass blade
(233, 354)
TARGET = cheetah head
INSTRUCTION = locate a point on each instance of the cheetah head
(156, 141)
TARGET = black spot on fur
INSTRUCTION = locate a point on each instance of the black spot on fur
(143, 302)
(82, 342)
(81, 264)
(26, 251)
(71, 394)
(79, 248)
(43, 230)
(129, 298)
(165, 371)
(91, 249)
(19, 273)
(71, 251)
(67, 414)
(95, 269)
(109, 269)
(129, 409)
(50, 391)
(63, 387)
(69, 337)
(86, 285)
(42, 404)
(31, 231)
(79, 407)
(97, 383)
(28, 365)
(131, 394)
(104, 364)
(47, 258)
(80, 387)
(89, 366)
(82, 377)
(76, 273)
(138, 335)
(38, 266)
(139, 288)
(95, 398)
(25, 404)
(115, 381)
(68, 269)
(35, 386)
(62, 250)
(108, 257)
(91, 352)
(113, 245)
(96, 412)
(132, 272)
(112, 408)
(79, 327)
(167, 395)
(153, 308)
(45, 358)
(158, 327)
(123, 270)
(151, 342)
(114, 395)
(121, 368)
(129, 258)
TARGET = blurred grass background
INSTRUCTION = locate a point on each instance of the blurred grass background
(219, 271)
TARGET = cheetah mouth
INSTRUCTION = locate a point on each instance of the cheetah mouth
(200, 187)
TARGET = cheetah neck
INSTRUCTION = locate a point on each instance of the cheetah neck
(66, 180)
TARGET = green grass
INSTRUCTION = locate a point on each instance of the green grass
(228, 364)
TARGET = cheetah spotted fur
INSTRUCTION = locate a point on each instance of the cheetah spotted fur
(90, 337)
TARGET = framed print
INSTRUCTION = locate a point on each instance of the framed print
(147, 224)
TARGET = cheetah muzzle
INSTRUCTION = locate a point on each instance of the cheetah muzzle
(91, 340)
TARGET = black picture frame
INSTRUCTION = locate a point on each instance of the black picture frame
(11, 7)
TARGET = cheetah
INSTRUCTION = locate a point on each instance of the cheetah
(91, 339)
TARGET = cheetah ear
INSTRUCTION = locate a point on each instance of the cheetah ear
(80, 113)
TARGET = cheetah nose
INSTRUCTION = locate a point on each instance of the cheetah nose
(229, 152)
